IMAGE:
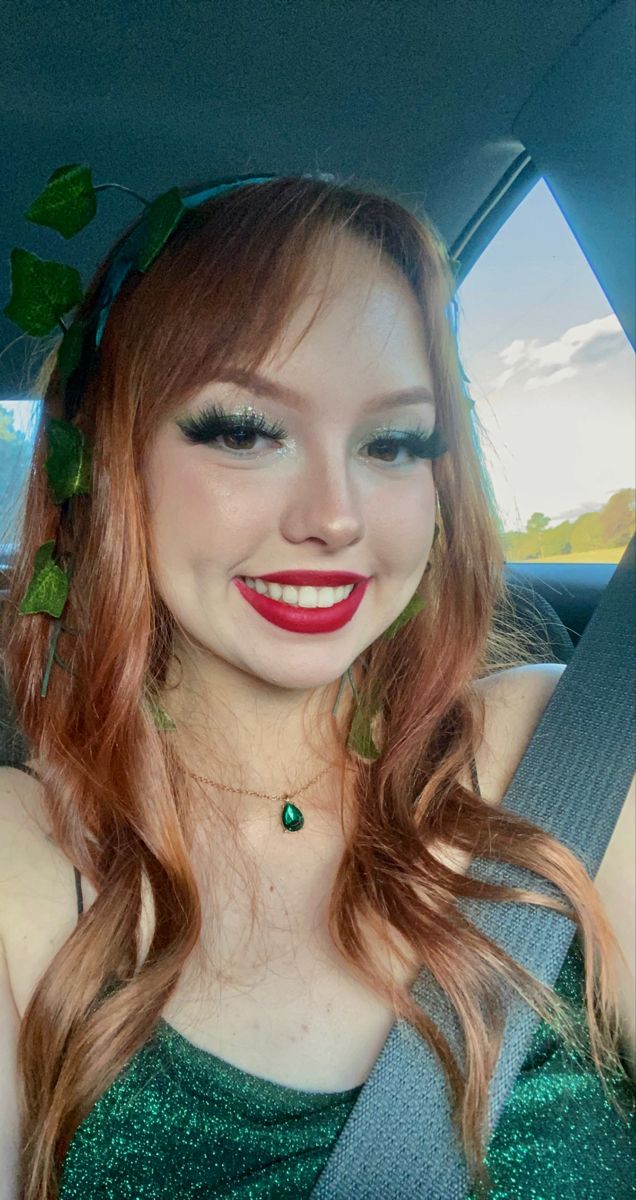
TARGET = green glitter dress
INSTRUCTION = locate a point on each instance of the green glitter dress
(178, 1122)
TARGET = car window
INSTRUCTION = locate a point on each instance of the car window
(552, 376)
(18, 422)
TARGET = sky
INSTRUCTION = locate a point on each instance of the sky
(551, 372)
(550, 369)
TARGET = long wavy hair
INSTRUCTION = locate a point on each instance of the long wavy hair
(116, 792)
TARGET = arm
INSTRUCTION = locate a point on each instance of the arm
(11, 856)
(9, 1128)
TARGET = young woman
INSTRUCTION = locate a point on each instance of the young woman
(286, 699)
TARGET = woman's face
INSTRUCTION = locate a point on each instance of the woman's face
(329, 494)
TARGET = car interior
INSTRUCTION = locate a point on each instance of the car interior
(457, 109)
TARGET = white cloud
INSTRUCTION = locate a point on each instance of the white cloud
(541, 381)
(548, 363)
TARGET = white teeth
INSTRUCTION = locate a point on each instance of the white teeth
(301, 597)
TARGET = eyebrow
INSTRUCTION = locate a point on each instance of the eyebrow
(261, 386)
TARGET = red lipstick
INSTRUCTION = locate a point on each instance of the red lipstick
(313, 578)
(306, 620)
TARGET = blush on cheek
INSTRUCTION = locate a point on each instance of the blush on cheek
(194, 497)
(177, 484)
(176, 499)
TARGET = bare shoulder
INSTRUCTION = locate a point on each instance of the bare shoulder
(523, 692)
(38, 909)
(515, 700)
(23, 822)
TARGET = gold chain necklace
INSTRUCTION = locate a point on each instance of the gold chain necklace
(291, 816)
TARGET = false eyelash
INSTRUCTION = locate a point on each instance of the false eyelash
(427, 445)
(214, 421)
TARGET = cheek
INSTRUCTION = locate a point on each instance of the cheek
(197, 512)
(177, 500)
(401, 520)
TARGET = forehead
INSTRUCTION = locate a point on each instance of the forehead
(358, 311)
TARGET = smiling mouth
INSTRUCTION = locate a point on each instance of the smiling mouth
(300, 596)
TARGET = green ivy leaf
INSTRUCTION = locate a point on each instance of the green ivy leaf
(68, 201)
(160, 220)
(70, 351)
(360, 738)
(415, 605)
(48, 589)
(41, 292)
(159, 715)
(68, 465)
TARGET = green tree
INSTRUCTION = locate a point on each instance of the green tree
(617, 517)
(7, 432)
(537, 522)
(587, 533)
(536, 527)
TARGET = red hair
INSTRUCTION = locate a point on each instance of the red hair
(220, 294)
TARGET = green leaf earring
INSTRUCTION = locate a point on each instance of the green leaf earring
(360, 738)
(415, 605)
(162, 720)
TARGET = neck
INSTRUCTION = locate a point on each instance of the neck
(247, 735)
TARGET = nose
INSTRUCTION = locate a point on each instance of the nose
(324, 505)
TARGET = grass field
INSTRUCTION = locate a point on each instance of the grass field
(613, 555)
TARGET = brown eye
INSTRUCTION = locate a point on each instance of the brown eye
(214, 423)
(240, 436)
(416, 442)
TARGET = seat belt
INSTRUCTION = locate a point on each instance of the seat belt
(398, 1142)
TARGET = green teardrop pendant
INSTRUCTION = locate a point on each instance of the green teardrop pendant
(292, 818)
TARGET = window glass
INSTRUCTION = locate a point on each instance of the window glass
(552, 376)
(18, 424)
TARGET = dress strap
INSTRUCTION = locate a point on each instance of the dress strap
(78, 891)
(23, 767)
(473, 775)
(78, 877)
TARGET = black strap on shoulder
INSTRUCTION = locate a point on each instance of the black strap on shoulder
(23, 767)
(473, 775)
(78, 891)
